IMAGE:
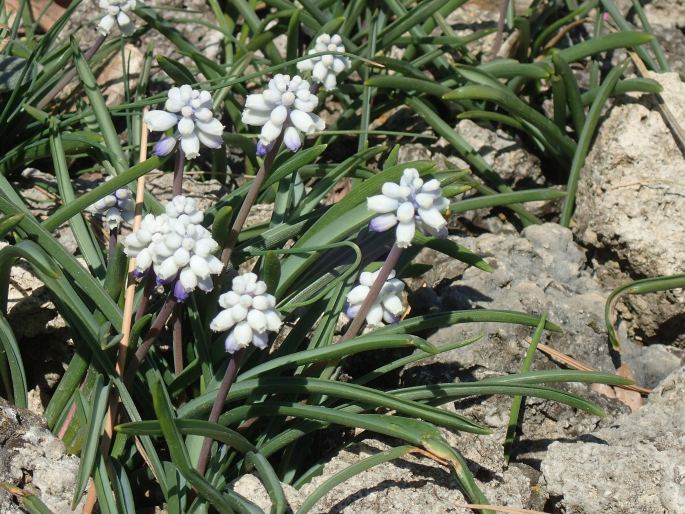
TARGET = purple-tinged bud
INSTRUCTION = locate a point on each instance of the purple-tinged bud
(162, 281)
(292, 140)
(383, 222)
(231, 345)
(164, 146)
(390, 318)
(352, 310)
(261, 340)
(262, 149)
(138, 274)
(180, 292)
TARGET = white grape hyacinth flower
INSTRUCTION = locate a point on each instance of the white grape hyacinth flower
(190, 111)
(411, 204)
(115, 208)
(388, 305)
(325, 68)
(248, 311)
(176, 245)
(285, 106)
(116, 15)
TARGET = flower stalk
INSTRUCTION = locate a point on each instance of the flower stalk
(150, 338)
(249, 201)
(178, 339)
(389, 264)
(149, 285)
(71, 74)
(112, 244)
(224, 388)
(178, 172)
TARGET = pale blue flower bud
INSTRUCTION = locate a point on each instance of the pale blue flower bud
(164, 146)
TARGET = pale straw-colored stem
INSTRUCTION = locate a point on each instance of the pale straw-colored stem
(113, 409)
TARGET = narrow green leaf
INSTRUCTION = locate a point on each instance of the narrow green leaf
(175, 70)
(585, 139)
(517, 400)
(10, 351)
(270, 481)
(480, 167)
(351, 471)
(90, 448)
(643, 286)
(82, 232)
(452, 249)
(480, 202)
(624, 39)
(443, 319)
(97, 102)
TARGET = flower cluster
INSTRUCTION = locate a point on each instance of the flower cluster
(409, 204)
(116, 13)
(190, 111)
(176, 245)
(287, 104)
(387, 306)
(325, 68)
(249, 310)
(115, 208)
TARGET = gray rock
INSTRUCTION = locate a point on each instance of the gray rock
(651, 364)
(543, 271)
(634, 467)
(666, 13)
(35, 460)
(501, 150)
(631, 203)
(403, 486)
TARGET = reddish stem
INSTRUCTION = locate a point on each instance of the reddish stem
(222, 393)
(383, 274)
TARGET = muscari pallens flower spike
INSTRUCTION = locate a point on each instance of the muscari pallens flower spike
(115, 208)
(325, 68)
(409, 204)
(287, 104)
(116, 14)
(190, 111)
(249, 311)
(175, 244)
(388, 305)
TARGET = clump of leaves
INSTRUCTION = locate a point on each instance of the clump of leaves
(309, 253)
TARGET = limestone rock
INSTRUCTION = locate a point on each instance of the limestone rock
(35, 460)
(634, 467)
(543, 271)
(404, 486)
(631, 203)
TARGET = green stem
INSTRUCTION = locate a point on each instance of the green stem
(178, 339)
